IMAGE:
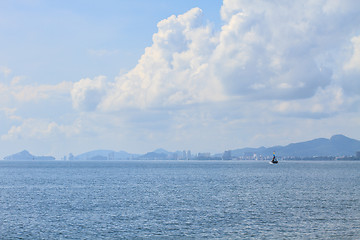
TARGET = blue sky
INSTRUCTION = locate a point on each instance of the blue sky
(69, 40)
(201, 75)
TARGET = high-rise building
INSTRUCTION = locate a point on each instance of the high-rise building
(227, 155)
(188, 155)
(204, 155)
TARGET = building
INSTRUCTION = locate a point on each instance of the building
(203, 155)
(111, 156)
(249, 155)
(227, 155)
(188, 155)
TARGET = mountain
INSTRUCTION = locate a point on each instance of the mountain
(161, 151)
(25, 155)
(158, 154)
(93, 155)
(337, 145)
(154, 156)
(105, 155)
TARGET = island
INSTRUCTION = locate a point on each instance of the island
(25, 155)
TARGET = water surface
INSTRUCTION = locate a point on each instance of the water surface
(179, 200)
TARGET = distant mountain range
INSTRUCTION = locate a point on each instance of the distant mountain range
(337, 145)
(106, 155)
(158, 154)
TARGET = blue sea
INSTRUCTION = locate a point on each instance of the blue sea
(180, 200)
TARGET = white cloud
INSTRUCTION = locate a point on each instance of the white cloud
(26, 93)
(5, 70)
(350, 78)
(335, 6)
(270, 61)
(274, 45)
(30, 128)
(265, 50)
(275, 69)
(326, 102)
(10, 113)
(173, 71)
(41, 129)
(31, 93)
(16, 80)
(87, 93)
(354, 62)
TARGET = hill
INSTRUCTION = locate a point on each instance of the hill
(105, 155)
(337, 145)
(25, 155)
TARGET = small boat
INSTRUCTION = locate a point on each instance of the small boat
(274, 160)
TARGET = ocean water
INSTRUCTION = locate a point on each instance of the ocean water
(180, 200)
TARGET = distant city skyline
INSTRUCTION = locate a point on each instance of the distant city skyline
(338, 147)
(203, 75)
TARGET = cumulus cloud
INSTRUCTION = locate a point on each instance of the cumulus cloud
(87, 93)
(173, 71)
(277, 50)
(351, 76)
(354, 62)
(270, 61)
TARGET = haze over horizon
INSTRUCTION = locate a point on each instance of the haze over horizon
(201, 75)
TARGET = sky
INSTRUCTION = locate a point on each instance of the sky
(199, 75)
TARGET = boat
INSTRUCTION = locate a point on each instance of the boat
(274, 160)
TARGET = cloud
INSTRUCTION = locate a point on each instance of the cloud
(32, 93)
(5, 70)
(173, 71)
(350, 78)
(354, 63)
(326, 102)
(10, 113)
(278, 51)
(274, 70)
(275, 49)
(26, 93)
(16, 80)
(30, 128)
(41, 129)
(87, 93)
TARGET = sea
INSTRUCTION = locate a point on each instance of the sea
(179, 200)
